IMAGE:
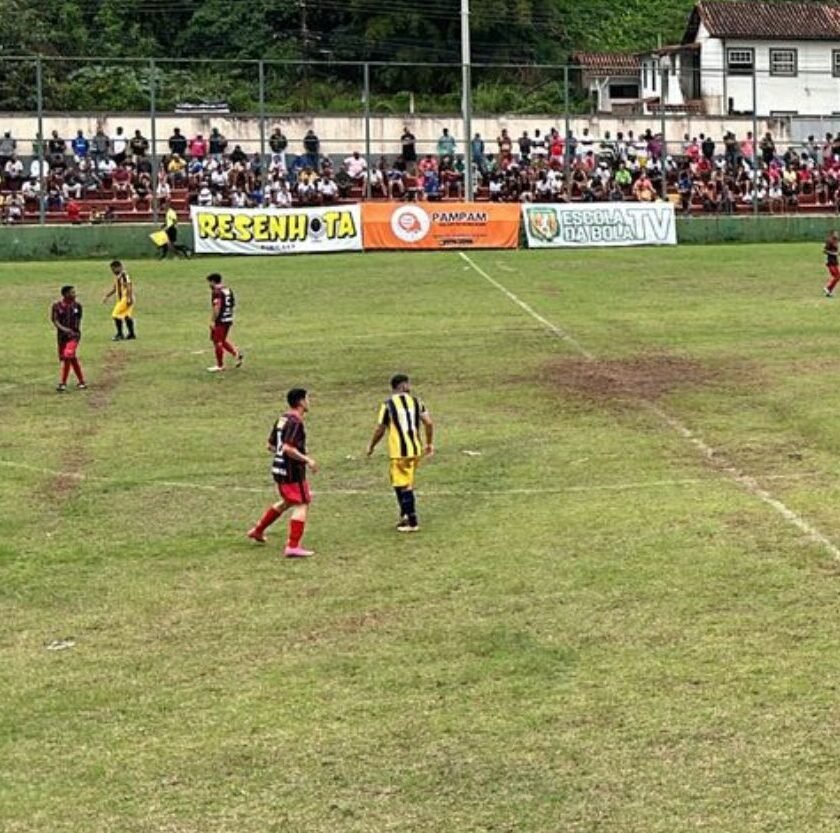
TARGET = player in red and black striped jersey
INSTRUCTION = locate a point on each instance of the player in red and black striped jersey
(66, 317)
(830, 252)
(223, 303)
(287, 442)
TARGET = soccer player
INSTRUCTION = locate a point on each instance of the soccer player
(123, 310)
(400, 416)
(223, 303)
(830, 252)
(287, 442)
(66, 317)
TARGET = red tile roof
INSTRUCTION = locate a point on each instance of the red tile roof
(784, 21)
(607, 62)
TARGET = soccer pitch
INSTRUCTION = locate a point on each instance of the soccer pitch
(620, 614)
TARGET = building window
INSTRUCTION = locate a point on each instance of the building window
(740, 61)
(624, 90)
(835, 63)
(783, 62)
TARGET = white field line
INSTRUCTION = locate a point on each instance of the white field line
(745, 481)
(555, 490)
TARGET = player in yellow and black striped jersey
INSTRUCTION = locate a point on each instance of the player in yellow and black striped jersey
(123, 292)
(400, 416)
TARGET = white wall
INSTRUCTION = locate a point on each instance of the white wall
(813, 91)
(342, 134)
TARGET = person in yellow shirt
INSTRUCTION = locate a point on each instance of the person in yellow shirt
(400, 416)
(170, 229)
(123, 312)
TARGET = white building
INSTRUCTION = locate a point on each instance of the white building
(611, 80)
(745, 56)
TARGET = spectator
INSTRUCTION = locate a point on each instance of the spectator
(356, 167)
(177, 143)
(427, 163)
(217, 144)
(100, 146)
(643, 189)
(327, 189)
(80, 146)
(139, 146)
(176, 168)
(431, 184)
(74, 212)
(768, 148)
(122, 182)
(8, 146)
(237, 157)
(311, 150)
(524, 148)
(748, 147)
(445, 144)
(119, 147)
(277, 141)
(205, 195)
(198, 148)
(13, 172)
(707, 146)
(15, 208)
(36, 168)
(281, 197)
(56, 147)
(477, 147)
(409, 149)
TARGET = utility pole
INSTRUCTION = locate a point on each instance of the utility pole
(466, 98)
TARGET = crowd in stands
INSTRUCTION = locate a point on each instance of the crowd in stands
(99, 177)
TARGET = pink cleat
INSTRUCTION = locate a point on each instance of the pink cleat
(298, 552)
(255, 535)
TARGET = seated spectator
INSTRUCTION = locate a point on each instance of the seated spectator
(307, 191)
(30, 190)
(36, 167)
(72, 185)
(237, 155)
(205, 195)
(431, 185)
(163, 190)
(74, 212)
(685, 189)
(176, 168)
(451, 180)
(496, 188)
(376, 179)
(277, 164)
(237, 198)
(427, 163)
(643, 189)
(396, 179)
(105, 168)
(327, 189)
(281, 196)
(13, 172)
(141, 190)
(55, 199)
(15, 208)
(121, 180)
(356, 167)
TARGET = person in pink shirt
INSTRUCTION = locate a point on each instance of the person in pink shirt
(198, 147)
(748, 147)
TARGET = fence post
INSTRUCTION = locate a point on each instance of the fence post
(366, 82)
(566, 130)
(466, 99)
(39, 92)
(663, 154)
(755, 140)
(153, 116)
(262, 111)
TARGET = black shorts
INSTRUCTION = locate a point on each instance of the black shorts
(172, 234)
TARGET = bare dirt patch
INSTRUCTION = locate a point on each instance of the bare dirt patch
(643, 377)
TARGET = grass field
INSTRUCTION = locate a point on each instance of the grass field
(620, 614)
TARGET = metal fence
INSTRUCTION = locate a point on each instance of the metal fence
(364, 106)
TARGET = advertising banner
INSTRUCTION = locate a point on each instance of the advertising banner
(276, 231)
(600, 224)
(439, 225)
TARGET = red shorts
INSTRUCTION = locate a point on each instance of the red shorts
(295, 493)
(219, 333)
(68, 349)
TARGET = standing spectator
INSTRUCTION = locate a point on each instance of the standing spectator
(768, 148)
(217, 144)
(178, 143)
(99, 146)
(8, 146)
(237, 156)
(119, 147)
(409, 149)
(748, 147)
(524, 148)
(198, 148)
(707, 146)
(56, 146)
(505, 144)
(311, 149)
(277, 141)
(479, 160)
(80, 146)
(139, 145)
(445, 144)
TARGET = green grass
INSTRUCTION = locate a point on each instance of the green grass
(596, 630)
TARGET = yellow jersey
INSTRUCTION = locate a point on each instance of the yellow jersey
(401, 414)
(171, 219)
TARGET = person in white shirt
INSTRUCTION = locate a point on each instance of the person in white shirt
(30, 189)
(218, 178)
(119, 146)
(14, 169)
(327, 189)
(281, 197)
(35, 169)
(237, 198)
(205, 195)
(105, 166)
(355, 166)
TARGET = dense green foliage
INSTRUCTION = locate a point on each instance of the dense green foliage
(524, 31)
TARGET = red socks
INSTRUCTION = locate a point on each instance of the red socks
(270, 516)
(296, 532)
(831, 284)
(65, 371)
(220, 354)
(77, 369)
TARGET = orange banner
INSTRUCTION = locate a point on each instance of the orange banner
(440, 225)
